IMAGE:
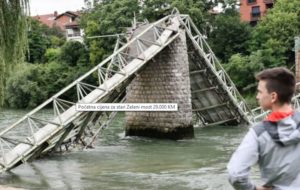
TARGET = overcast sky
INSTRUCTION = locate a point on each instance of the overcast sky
(49, 6)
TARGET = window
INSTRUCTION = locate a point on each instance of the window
(269, 6)
(255, 11)
(251, 1)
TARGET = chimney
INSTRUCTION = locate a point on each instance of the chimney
(55, 13)
(297, 60)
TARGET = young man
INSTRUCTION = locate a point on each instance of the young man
(273, 143)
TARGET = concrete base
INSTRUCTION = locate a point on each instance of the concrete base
(163, 133)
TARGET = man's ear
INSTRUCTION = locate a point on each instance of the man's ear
(274, 97)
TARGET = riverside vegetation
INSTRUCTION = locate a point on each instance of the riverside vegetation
(52, 63)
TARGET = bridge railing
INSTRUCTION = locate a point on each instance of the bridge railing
(211, 60)
(24, 129)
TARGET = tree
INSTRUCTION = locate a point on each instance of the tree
(115, 16)
(74, 53)
(13, 39)
(52, 54)
(32, 84)
(240, 66)
(25, 88)
(271, 44)
(38, 42)
(229, 35)
(40, 38)
(197, 9)
(276, 31)
(108, 17)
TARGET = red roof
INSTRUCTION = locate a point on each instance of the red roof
(69, 13)
(46, 19)
(54, 19)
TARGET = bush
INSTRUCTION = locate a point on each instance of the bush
(24, 87)
(52, 54)
(242, 69)
(74, 53)
(32, 84)
(56, 41)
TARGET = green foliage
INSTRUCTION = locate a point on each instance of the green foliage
(115, 16)
(245, 50)
(275, 33)
(56, 41)
(197, 9)
(40, 38)
(229, 35)
(250, 98)
(74, 53)
(156, 9)
(32, 84)
(13, 37)
(108, 17)
(38, 43)
(57, 76)
(24, 88)
(271, 44)
(274, 53)
(241, 69)
(52, 54)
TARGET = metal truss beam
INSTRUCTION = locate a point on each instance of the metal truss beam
(199, 42)
(44, 135)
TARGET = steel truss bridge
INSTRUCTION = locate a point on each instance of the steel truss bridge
(215, 99)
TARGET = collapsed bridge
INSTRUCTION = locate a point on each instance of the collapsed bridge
(203, 88)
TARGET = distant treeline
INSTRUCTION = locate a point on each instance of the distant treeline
(52, 63)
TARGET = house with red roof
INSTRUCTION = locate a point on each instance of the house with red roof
(67, 22)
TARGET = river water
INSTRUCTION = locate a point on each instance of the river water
(121, 163)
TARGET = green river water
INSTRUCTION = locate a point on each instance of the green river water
(126, 163)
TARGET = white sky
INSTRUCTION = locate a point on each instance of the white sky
(49, 6)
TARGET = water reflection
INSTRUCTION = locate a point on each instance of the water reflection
(56, 173)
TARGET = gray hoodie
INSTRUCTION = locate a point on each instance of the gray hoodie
(275, 146)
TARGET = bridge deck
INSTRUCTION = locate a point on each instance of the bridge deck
(113, 73)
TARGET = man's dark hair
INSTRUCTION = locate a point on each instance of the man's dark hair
(279, 80)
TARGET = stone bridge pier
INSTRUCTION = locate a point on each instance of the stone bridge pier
(165, 79)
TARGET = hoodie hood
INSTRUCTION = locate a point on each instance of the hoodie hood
(285, 131)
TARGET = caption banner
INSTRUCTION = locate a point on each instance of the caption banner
(127, 107)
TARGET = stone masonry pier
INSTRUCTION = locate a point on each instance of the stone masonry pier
(165, 79)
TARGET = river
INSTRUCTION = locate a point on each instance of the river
(129, 163)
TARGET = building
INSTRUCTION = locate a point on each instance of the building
(252, 10)
(67, 22)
